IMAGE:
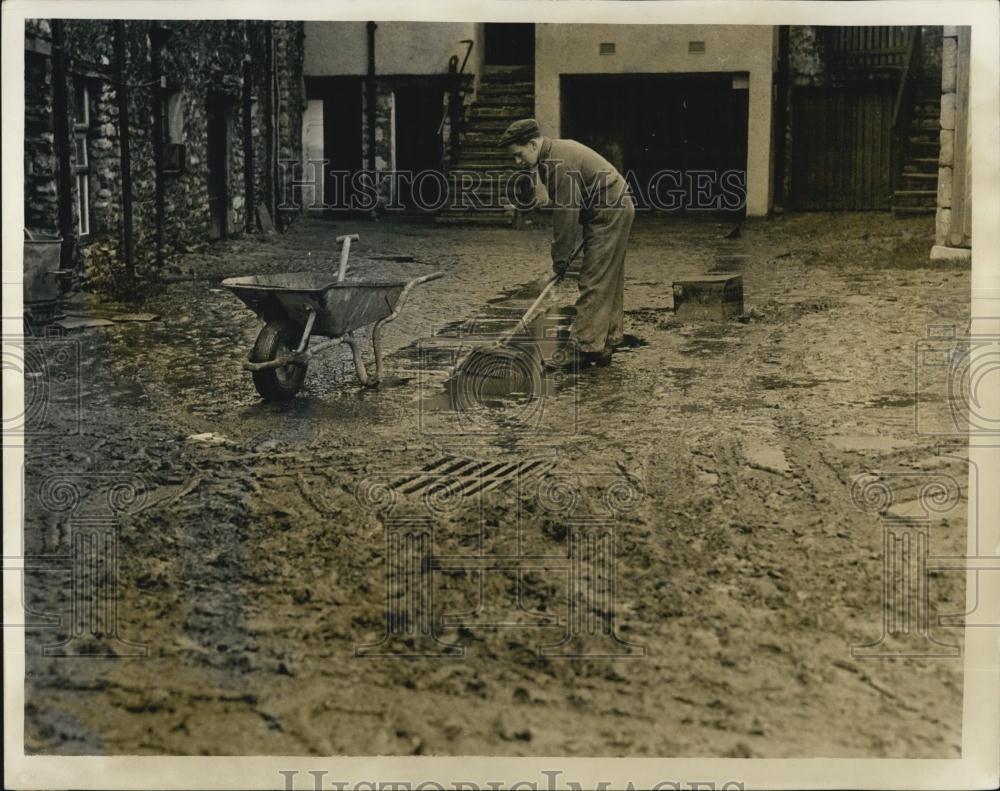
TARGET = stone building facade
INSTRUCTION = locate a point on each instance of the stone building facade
(145, 139)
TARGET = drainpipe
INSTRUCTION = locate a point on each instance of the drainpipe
(272, 166)
(781, 117)
(121, 90)
(249, 208)
(275, 129)
(372, 27)
(157, 36)
(60, 119)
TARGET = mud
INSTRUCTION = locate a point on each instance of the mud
(252, 569)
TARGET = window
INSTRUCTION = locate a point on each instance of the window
(174, 116)
(173, 131)
(81, 150)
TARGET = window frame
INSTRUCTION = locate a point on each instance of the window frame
(82, 128)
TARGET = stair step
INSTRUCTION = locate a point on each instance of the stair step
(925, 198)
(518, 100)
(929, 168)
(495, 74)
(488, 88)
(910, 211)
(484, 151)
(479, 139)
(503, 111)
(470, 164)
(487, 123)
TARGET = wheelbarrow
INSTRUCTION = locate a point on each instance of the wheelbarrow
(297, 306)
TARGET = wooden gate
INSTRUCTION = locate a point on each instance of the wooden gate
(841, 148)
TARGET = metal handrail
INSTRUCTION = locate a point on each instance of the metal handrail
(905, 78)
(900, 118)
(456, 72)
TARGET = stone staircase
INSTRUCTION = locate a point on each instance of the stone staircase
(480, 169)
(916, 192)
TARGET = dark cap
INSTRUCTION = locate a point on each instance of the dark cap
(519, 132)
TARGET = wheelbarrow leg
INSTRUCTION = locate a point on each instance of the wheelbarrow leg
(377, 346)
(359, 364)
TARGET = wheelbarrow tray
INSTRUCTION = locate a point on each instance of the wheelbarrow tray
(340, 307)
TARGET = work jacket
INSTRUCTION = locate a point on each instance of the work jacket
(580, 184)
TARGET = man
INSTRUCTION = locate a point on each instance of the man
(584, 189)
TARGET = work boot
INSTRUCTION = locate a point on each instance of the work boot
(601, 359)
(569, 360)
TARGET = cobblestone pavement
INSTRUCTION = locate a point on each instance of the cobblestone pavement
(744, 559)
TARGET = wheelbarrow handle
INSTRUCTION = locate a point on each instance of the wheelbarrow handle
(345, 252)
(426, 279)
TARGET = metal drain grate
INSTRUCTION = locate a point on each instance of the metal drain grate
(466, 477)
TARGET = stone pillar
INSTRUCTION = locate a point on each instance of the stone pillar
(954, 185)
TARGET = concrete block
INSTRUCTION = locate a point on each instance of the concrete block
(949, 65)
(944, 187)
(948, 110)
(946, 155)
(942, 223)
(709, 298)
(958, 255)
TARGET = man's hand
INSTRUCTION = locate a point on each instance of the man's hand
(560, 267)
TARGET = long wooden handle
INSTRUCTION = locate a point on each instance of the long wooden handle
(530, 313)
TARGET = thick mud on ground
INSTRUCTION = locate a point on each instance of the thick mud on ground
(706, 484)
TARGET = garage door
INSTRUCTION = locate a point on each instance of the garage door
(680, 139)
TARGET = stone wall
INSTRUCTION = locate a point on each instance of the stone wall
(41, 197)
(208, 62)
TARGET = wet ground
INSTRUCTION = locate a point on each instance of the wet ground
(670, 556)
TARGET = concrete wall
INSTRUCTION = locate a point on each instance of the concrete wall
(651, 49)
(341, 48)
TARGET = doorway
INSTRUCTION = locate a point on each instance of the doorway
(218, 113)
(418, 110)
(342, 137)
(509, 44)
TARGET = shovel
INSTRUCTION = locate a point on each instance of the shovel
(499, 360)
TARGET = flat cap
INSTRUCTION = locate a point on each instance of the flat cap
(519, 132)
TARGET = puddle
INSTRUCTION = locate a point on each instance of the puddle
(892, 400)
(631, 342)
(778, 383)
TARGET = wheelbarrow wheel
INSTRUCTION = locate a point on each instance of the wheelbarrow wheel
(276, 384)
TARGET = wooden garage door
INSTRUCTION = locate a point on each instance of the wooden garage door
(841, 148)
